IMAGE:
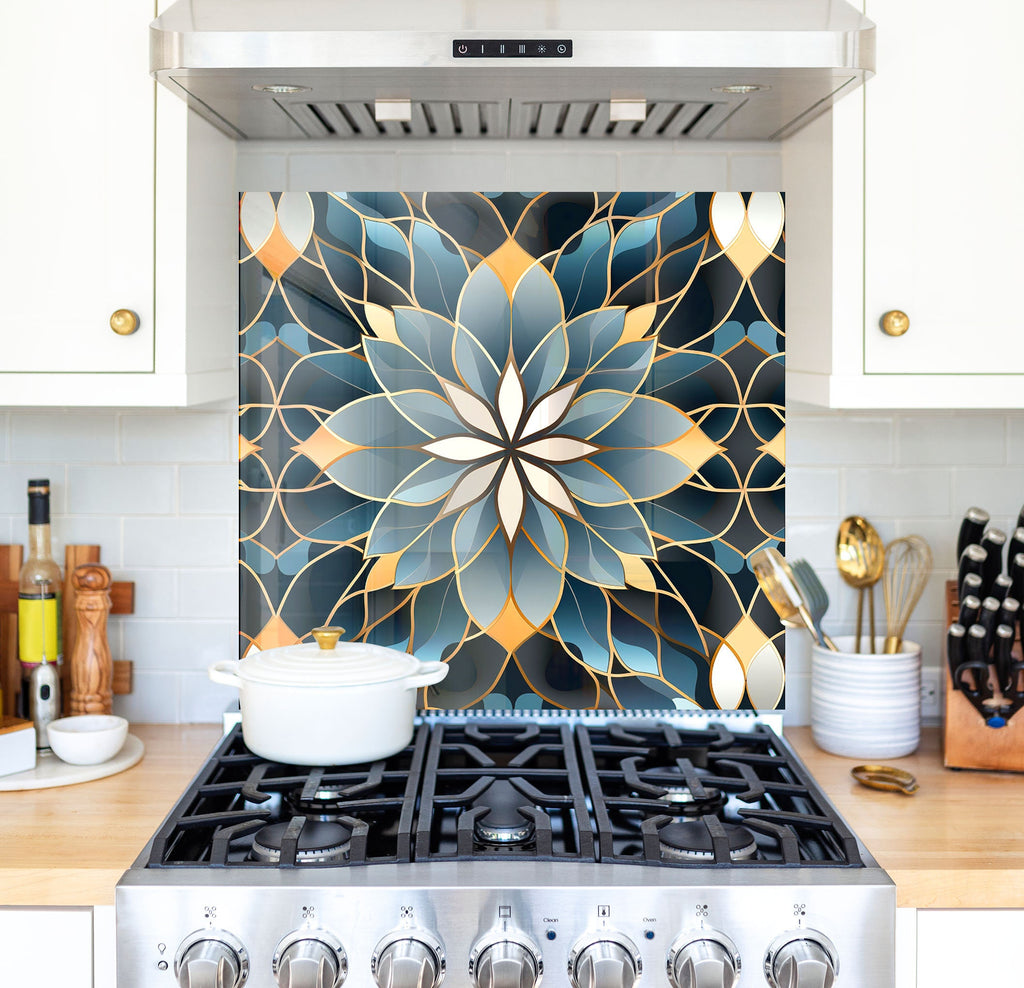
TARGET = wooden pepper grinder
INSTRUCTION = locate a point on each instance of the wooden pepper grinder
(92, 669)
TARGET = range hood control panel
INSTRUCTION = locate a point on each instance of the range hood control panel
(512, 48)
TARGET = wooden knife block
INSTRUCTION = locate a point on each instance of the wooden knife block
(122, 597)
(967, 741)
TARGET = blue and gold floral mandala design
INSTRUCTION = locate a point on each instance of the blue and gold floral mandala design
(537, 436)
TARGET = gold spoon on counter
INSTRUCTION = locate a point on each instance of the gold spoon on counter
(775, 579)
(860, 559)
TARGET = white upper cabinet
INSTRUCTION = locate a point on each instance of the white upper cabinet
(903, 200)
(97, 218)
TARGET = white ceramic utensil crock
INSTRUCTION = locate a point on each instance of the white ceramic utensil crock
(326, 703)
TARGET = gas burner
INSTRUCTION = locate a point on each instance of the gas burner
(681, 801)
(502, 824)
(691, 841)
(327, 803)
(319, 843)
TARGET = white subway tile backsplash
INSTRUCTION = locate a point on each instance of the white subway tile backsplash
(209, 490)
(176, 437)
(70, 437)
(814, 440)
(896, 493)
(14, 478)
(673, 172)
(156, 592)
(180, 541)
(203, 701)
(101, 530)
(179, 645)
(927, 439)
(155, 698)
(812, 540)
(117, 489)
(209, 593)
(812, 493)
(999, 490)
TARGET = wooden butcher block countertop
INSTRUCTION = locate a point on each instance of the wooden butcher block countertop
(958, 843)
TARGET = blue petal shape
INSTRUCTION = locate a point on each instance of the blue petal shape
(675, 527)
(374, 421)
(476, 525)
(677, 367)
(375, 473)
(589, 484)
(439, 619)
(581, 269)
(380, 205)
(592, 412)
(428, 337)
(387, 251)
(429, 557)
(591, 336)
(484, 311)
(484, 583)
(728, 558)
(343, 222)
(644, 473)
(621, 526)
(678, 224)
(347, 524)
(536, 310)
(431, 413)
(430, 483)
(727, 336)
(294, 336)
(624, 369)
(542, 526)
(439, 270)
(397, 369)
(536, 584)
(581, 622)
(346, 272)
(764, 335)
(294, 558)
(590, 559)
(636, 247)
(546, 365)
(635, 643)
(397, 526)
(257, 558)
(345, 367)
(475, 368)
(645, 422)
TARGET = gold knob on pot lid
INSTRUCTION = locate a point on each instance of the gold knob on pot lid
(895, 323)
(327, 637)
(124, 322)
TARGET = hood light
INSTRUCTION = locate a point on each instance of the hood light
(281, 90)
(741, 89)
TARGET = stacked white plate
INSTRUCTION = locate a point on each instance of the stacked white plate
(863, 705)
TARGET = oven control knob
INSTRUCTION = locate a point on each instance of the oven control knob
(211, 959)
(801, 959)
(410, 959)
(607, 960)
(310, 959)
(505, 961)
(707, 960)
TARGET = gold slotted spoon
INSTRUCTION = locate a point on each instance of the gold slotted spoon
(860, 559)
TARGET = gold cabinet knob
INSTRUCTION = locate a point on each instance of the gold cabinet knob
(895, 323)
(327, 638)
(124, 322)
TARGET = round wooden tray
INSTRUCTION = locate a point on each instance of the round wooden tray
(50, 771)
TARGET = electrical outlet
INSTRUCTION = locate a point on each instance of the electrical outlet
(931, 694)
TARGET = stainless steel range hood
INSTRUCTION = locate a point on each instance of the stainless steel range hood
(401, 69)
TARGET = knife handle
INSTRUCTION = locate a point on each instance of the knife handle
(970, 608)
(988, 618)
(993, 542)
(956, 653)
(972, 560)
(1016, 545)
(1004, 644)
(977, 663)
(973, 524)
(1001, 587)
(1016, 571)
(1009, 612)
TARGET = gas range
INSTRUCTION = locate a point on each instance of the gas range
(589, 851)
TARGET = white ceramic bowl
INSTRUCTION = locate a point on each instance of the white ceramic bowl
(88, 739)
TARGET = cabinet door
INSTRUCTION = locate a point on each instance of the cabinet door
(43, 946)
(944, 149)
(77, 179)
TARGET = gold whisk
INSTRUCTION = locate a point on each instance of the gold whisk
(908, 564)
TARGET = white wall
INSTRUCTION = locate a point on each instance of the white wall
(158, 490)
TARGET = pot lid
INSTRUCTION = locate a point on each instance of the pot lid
(328, 662)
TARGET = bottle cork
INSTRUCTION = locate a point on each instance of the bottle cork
(92, 670)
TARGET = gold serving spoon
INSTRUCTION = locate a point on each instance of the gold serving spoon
(775, 579)
(860, 559)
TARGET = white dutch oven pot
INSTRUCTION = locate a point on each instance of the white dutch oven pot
(327, 704)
